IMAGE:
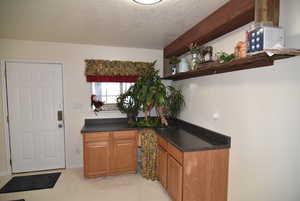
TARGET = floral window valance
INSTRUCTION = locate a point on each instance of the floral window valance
(114, 71)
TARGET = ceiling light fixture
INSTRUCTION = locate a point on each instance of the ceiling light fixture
(147, 2)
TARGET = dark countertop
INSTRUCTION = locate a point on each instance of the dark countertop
(183, 135)
(105, 125)
(194, 140)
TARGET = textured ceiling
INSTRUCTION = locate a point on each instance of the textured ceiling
(102, 22)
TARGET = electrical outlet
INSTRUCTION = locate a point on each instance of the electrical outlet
(216, 116)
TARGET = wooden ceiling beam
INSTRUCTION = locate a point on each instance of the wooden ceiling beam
(229, 17)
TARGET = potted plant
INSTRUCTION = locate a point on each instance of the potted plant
(173, 63)
(195, 48)
(223, 57)
(128, 104)
(151, 93)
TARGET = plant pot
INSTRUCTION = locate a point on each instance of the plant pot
(131, 118)
(173, 68)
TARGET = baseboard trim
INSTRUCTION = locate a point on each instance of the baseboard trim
(75, 166)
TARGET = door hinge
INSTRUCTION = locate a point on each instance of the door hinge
(7, 119)
(10, 162)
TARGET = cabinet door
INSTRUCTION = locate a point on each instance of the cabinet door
(162, 166)
(174, 179)
(124, 156)
(96, 158)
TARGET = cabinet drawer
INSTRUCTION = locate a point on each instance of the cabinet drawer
(173, 151)
(124, 135)
(162, 142)
(93, 137)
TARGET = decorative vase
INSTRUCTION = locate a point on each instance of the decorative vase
(195, 61)
(183, 65)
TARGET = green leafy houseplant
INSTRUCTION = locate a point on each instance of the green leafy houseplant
(150, 122)
(174, 60)
(194, 48)
(150, 93)
(128, 104)
(223, 57)
(175, 102)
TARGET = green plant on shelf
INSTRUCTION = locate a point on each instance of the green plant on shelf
(174, 60)
(223, 57)
(195, 48)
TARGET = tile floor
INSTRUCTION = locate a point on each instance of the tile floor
(72, 186)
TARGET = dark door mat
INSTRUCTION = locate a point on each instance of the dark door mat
(18, 200)
(31, 182)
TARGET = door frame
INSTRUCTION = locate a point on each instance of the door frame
(5, 108)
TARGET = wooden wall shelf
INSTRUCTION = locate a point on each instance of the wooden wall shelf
(254, 61)
(230, 16)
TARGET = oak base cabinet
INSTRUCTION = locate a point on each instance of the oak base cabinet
(208, 179)
(174, 178)
(108, 153)
(162, 166)
(193, 176)
(96, 158)
(124, 156)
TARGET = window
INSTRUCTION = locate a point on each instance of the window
(108, 92)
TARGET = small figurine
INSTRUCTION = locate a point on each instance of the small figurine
(96, 103)
(204, 51)
(199, 54)
(240, 50)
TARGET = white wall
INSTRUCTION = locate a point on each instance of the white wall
(76, 89)
(3, 159)
(259, 109)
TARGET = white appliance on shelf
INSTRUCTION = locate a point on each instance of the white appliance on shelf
(264, 37)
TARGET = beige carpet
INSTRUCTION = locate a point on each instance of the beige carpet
(72, 186)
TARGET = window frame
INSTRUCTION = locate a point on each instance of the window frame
(109, 106)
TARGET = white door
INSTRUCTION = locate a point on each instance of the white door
(34, 96)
